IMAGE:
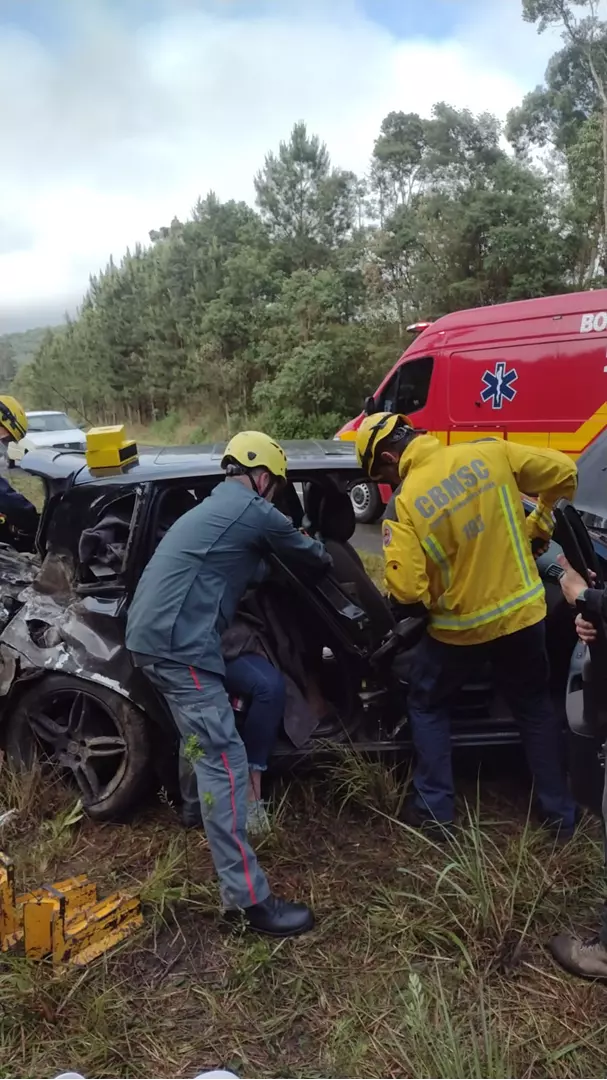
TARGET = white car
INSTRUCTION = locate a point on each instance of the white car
(52, 430)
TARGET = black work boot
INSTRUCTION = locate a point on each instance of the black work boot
(562, 833)
(586, 957)
(438, 831)
(275, 917)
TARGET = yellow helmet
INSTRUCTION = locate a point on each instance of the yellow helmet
(373, 430)
(12, 417)
(254, 449)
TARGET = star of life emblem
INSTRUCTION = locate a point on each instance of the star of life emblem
(498, 385)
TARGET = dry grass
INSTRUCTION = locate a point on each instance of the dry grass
(30, 486)
(374, 565)
(175, 430)
(426, 961)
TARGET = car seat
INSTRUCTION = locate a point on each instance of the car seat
(331, 516)
(101, 548)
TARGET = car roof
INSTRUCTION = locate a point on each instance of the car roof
(174, 463)
(45, 412)
(541, 307)
(517, 320)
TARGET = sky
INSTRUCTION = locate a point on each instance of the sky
(116, 115)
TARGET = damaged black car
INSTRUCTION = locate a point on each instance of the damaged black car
(69, 694)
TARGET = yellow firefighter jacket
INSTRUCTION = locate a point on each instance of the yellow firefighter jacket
(461, 543)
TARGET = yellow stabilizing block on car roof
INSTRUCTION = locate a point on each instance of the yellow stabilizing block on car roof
(108, 448)
(65, 921)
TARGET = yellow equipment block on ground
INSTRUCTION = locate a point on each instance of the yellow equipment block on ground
(64, 921)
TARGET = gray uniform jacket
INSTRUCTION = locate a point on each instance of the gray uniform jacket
(189, 591)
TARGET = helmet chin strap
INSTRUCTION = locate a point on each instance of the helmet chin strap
(262, 495)
(233, 469)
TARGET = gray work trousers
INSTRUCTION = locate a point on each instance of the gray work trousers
(202, 712)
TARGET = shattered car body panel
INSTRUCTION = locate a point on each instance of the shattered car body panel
(17, 572)
(48, 625)
(76, 635)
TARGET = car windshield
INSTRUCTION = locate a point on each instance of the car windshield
(56, 421)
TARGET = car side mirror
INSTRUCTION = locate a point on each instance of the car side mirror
(370, 406)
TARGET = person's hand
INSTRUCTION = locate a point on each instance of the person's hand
(572, 583)
(585, 630)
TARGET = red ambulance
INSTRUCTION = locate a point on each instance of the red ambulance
(533, 371)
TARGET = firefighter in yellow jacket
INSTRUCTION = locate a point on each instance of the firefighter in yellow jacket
(459, 551)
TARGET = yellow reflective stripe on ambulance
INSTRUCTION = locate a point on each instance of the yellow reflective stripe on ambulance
(519, 542)
(434, 550)
(487, 615)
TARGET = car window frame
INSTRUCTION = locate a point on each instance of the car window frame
(56, 534)
(397, 380)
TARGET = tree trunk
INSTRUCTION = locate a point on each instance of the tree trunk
(604, 177)
(602, 92)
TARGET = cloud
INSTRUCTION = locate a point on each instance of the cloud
(113, 128)
(15, 236)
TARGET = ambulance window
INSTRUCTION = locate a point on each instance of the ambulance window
(407, 391)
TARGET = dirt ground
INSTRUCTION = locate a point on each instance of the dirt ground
(427, 960)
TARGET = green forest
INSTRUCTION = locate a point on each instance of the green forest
(16, 350)
(286, 315)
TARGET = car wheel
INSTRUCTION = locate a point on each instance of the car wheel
(366, 501)
(97, 739)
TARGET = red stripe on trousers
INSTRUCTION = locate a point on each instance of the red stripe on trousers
(243, 853)
(227, 768)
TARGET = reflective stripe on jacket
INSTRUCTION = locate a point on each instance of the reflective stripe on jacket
(460, 543)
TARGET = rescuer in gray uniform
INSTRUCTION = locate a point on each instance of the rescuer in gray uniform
(187, 596)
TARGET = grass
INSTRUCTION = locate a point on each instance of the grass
(30, 486)
(175, 430)
(374, 565)
(427, 960)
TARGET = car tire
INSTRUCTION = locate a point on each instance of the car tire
(366, 502)
(96, 737)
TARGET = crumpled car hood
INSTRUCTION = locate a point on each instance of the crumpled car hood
(46, 625)
(17, 572)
